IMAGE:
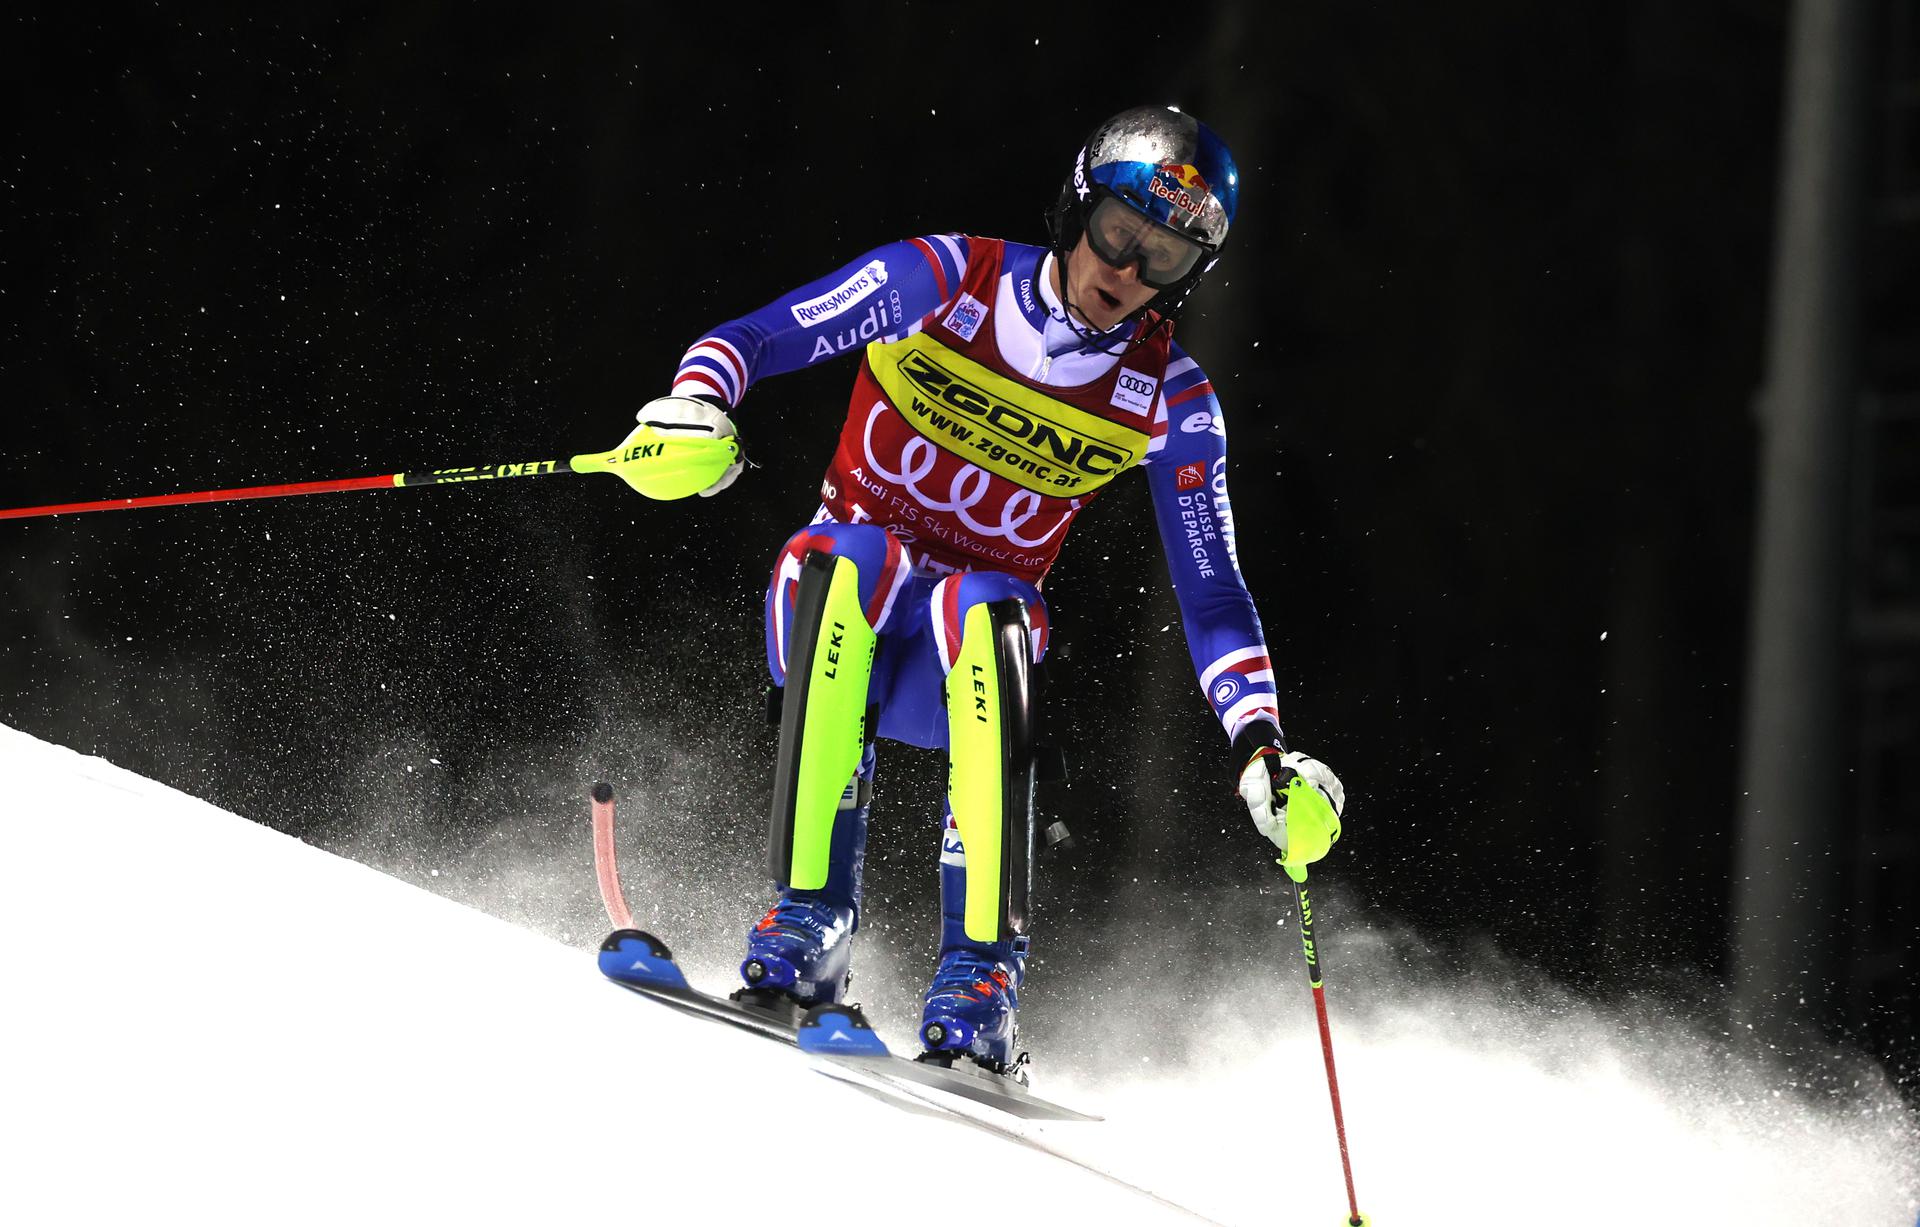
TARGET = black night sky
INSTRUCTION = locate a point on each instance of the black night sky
(1488, 337)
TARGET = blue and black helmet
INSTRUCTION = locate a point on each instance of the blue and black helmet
(1165, 166)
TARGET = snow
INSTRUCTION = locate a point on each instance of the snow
(214, 1022)
(210, 1019)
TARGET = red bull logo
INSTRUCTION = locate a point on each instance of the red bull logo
(1181, 185)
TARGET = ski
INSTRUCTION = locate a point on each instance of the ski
(839, 1034)
(641, 962)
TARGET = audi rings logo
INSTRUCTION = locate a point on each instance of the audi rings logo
(1134, 391)
(970, 488)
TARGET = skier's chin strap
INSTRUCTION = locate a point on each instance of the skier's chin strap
(990, 766)
(1104, 341)
(823, 721)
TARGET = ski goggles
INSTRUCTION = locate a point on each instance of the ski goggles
(1120, 235)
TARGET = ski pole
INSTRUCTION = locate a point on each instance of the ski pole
(617, 462)
(532, 468)
(1299, 876)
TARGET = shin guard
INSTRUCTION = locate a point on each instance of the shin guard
(990, 767)
(823, 721)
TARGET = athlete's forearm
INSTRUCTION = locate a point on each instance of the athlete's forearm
(1224, 637)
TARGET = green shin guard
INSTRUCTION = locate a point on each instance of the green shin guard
(822, 719)
(990, 767)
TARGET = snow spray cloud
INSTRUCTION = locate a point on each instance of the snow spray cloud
(496, 816)
(1465, 1096)
(691, 843)
(1463, 1093)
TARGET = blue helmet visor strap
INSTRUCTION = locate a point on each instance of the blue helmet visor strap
(1120, 235)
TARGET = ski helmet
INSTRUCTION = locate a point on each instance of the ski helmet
(1166, 167)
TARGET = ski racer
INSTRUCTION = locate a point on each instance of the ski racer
(1000, 388)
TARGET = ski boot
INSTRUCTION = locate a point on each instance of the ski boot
(801, 949)
(969, 1008)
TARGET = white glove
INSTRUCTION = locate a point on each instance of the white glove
(692, 416)
(1263, 786)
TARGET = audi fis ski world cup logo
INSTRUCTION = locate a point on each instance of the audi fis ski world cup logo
(1181, 185)
(865, 279)
(966, 317)
(1133, 391)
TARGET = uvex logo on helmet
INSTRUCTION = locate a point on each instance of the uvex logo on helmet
(1181, 185)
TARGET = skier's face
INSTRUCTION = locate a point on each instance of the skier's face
(1101, 294)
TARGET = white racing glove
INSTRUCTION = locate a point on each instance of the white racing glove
(689, 419)
(1295, 800)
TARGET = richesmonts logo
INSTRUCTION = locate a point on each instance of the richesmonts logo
(863, 282)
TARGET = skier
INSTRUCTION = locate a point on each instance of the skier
(1000, 388)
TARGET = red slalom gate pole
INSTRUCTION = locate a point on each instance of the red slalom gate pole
(435, 477)
(605, 866)
(1354, 1217)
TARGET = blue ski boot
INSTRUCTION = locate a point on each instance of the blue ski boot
(969, 1008)
(802, 948)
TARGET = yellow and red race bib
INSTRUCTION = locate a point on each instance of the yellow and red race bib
(1006, 428)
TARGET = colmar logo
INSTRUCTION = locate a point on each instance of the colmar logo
(1190, 476)
(1181, 185)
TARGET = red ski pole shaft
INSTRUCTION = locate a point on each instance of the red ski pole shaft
(435, 477)
(1354, 1217)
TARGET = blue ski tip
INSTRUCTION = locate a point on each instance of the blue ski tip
(839, 1030)
(633, 957)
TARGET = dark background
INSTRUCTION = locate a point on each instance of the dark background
(1488, 338)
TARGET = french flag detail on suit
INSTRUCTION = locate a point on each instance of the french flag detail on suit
(1239, 686)
(715, 366)
(883, 563)
(1185, 382)
(946, 256)
(949, 604)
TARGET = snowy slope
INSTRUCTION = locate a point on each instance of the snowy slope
(218, 1022)
(209, 1021)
